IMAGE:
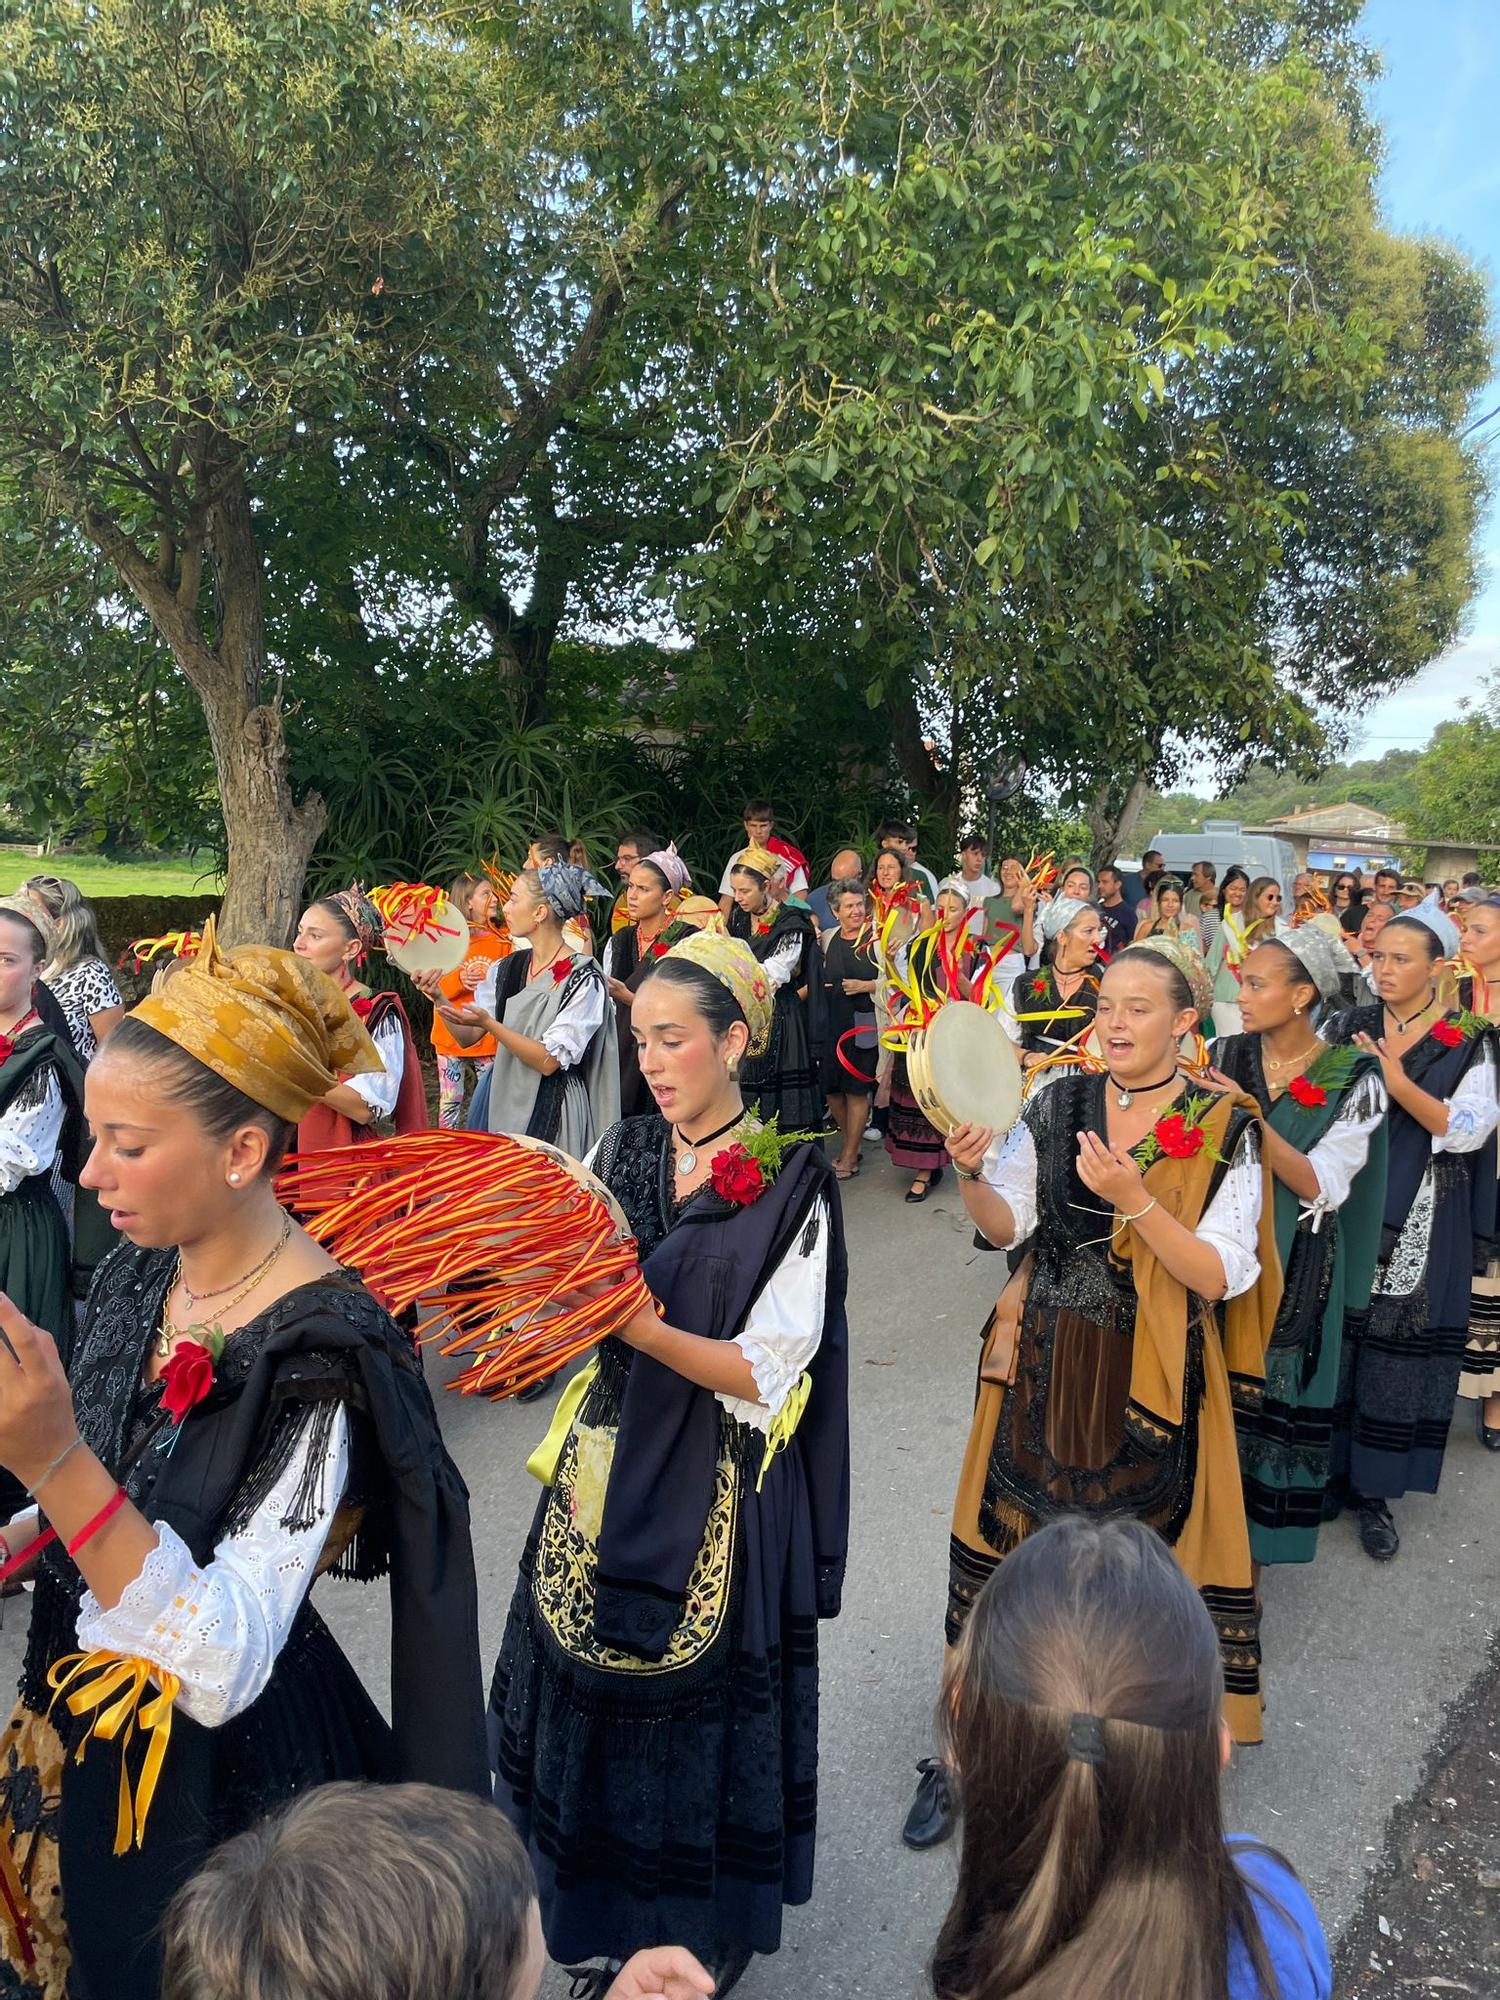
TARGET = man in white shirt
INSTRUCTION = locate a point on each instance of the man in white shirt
(973, 851)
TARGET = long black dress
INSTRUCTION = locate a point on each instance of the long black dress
(1399, 1372)
(654, 1713)
(850, 1017)
(784, 1081)
(323, 1345)
(630, 966)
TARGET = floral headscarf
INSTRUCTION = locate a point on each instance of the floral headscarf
(265, 1020)
(736, 967)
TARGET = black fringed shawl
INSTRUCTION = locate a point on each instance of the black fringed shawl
(324, 1343)
(707, 1271)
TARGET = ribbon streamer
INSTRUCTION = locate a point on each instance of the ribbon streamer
(111, 1688)
(497, 1239)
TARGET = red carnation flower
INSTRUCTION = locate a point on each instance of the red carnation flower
(1448, 1033)
(186, 1379)
(362, 1005)
(1310, 1095)
(1177, 1139)
(560, 970)
(737, 1176)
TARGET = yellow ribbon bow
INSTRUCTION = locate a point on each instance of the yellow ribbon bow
(783, 1427)
(112, 1688)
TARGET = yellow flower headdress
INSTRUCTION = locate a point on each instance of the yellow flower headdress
(735, 966)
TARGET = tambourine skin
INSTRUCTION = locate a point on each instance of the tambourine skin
(963, 1070)
(441, 949)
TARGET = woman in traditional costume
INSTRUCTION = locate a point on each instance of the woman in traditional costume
(336, 934)
(555, 1075)
(456, 1066)
(851, 979)
(1138, 1317)
(654, 1711)
(1479, 993)
(242, 1415)
(1400, 1371)
(41, 1126)
(1224, 951)
(783, 937)
(652, 891)
(1323, 1114)
(1055, 1004)
(934, 966)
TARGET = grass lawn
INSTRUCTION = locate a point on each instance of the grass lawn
(95, 876)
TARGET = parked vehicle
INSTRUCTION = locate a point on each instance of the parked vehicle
(1221, 842)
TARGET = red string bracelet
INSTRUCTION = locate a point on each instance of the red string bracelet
(104, 1516)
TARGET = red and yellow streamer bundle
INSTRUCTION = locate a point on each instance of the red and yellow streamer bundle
(498, 1241)
(174, 944)
(411, 909)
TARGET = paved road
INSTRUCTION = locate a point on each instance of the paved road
(1362, 1662)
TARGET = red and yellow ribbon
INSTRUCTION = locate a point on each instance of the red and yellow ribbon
(112, 1689)
(410, 909)
(176, 944)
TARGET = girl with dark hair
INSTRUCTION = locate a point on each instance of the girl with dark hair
(1084, 1718)
(336, 933)
(1400, 1369)
(935, 963)
(546, 1009)
(784, 1080)
(1139, 1314)
(1479, 993)
(651, 893)
(654, 1712)
(1323, 1130)
(1224, 948)
(242, 1415)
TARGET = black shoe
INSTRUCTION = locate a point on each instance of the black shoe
(535, 1392)
(932, 1818)
(1488, 1436)
(1377, 1531)
(590, 1982)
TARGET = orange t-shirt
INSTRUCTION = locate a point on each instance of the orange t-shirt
(484, 949)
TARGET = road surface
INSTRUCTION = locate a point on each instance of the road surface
(1362, 1661)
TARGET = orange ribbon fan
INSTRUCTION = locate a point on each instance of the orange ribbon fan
(496, 1237)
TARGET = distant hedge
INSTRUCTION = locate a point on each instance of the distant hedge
(123, 919)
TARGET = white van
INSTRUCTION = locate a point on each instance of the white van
(1222, 843)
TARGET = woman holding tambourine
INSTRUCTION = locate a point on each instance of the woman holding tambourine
(1151, 1285)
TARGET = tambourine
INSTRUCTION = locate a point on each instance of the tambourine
(430, 938)
(963, 1069)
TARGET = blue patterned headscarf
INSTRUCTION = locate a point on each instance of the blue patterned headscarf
(567, 887)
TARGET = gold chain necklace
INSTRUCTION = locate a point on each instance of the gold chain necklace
(1293, 1062)
(167, 1335)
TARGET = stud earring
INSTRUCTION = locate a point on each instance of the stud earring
(1297, 1013)
(234, 1180)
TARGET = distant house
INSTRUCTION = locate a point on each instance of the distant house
(1328, 838)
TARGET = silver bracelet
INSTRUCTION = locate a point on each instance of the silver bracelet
(66, 1452)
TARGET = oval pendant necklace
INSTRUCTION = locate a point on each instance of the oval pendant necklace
(687, 1163)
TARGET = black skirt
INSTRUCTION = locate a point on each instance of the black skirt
(783, 1081)
(675, 1805)
(313, 1723)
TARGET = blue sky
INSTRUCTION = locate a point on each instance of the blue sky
(1439, 100)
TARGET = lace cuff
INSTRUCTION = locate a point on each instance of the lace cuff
(219, 1627)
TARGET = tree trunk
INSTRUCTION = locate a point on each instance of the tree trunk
(1109, 829)
(270, 836)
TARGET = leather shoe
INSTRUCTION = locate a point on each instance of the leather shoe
(536, 1390)
(932, 1817)
(1488, 1437)
(729, 1970)
(1377, 1531)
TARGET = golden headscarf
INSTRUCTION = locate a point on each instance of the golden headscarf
(266, 1021)
(735, 966)
(31, 908)
(761, 859)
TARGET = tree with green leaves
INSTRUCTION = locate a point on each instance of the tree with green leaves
(207, 204)
(1093, 358)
